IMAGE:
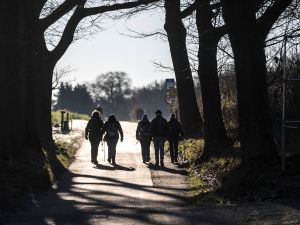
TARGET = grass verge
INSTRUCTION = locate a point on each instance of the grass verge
(65, 154)
(20, 181)
(222, 179)
(205, 178)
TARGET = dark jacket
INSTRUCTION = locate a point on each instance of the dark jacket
(93, 128)
(175, 130)
(159, 127)
(109, 134)
(143, 130)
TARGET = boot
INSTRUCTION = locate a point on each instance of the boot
(162, 163)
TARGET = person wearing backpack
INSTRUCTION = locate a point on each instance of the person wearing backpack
(159, 133)
(175, 133)
(93, 133)
(143, 135)
(112, 129)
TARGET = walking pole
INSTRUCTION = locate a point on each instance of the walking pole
(104, 150)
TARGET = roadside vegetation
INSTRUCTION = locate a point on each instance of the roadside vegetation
(19, 182)
(205, 176)
(65, 153)
(221, 179)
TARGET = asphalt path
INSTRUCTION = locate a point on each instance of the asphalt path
(129, 193)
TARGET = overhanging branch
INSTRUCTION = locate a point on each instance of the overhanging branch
(80, 13)
(266, 21)
(63, 9)
(191, 8)
(114, 7)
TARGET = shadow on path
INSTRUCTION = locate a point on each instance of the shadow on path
(167, 169)
(103, 167)
(77, 202)
(113, 167)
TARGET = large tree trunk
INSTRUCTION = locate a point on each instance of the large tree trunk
(11, 138)
(189, 113)
(247, 42)
(37, 73)
(214, 130)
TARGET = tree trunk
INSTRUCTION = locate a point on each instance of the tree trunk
(256, 133)
(10, 87)
(214, 130)
(189, 112)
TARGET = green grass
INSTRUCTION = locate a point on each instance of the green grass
(66, 151)
(220, 179)
(205, 178)
(56, 116)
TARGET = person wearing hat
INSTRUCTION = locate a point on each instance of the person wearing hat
(143, 135)
(159, 133)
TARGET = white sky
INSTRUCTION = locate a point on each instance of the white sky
(111, 51)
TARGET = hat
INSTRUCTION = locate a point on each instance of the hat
(95, 113)
(158, 112)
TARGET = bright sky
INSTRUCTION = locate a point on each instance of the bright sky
(111, 51)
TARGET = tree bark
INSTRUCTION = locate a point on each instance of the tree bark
(214, 130)
(9, 81)
(36, 73)
(256, 133)
(190, 116)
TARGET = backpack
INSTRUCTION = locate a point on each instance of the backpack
(95, 126)
(160, 127)
(112, 130)
(145, 130)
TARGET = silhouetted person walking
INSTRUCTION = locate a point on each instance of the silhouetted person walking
(175, 132)
(112, 129)
(93, 133)
(143, 134)
(159, 133)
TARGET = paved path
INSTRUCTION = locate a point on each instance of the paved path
(124, 194)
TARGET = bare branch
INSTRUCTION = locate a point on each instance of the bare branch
(191, 8)
(188, 11)
(163, 68)
(59, 76)
(68, 34)
(267, 20)
(59, 12)
(114, 7)
(141, 35)
(80, 13)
